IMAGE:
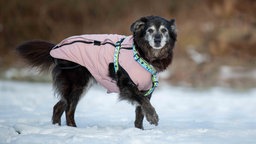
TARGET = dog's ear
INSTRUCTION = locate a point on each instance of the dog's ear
(172, 21)
(139, 24)
(173, 25)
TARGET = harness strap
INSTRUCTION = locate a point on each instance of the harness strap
(116, 54)
(141, 61)
(149, 68)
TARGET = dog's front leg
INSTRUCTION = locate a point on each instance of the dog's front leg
(149, 111)
(144, 108)
(130, 92)
(139, 116)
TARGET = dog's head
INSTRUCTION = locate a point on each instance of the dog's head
(154, 36)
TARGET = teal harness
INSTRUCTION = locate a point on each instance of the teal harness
(141, 61)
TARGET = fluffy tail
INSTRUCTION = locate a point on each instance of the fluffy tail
(37, 54)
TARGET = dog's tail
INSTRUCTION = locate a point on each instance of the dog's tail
(37, 54)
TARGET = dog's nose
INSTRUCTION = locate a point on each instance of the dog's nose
(157, 39)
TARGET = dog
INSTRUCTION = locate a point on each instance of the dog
(128, 65)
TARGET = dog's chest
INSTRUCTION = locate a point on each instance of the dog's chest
(96, 58)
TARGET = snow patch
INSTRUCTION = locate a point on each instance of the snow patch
(187, 116)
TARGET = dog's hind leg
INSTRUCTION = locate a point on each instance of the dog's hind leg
(58, 110)
(79, 79)
(72, 101)
(70, 84)
(61, 89)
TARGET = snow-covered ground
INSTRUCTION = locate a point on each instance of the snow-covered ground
(187, 116)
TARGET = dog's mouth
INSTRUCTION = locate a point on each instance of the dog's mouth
(157, 47)
(157, 53)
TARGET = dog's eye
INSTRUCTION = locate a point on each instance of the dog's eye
(150, 30)
(163, 30)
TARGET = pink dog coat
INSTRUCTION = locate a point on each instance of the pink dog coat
(96, 58)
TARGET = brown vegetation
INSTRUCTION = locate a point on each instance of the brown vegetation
(222, 31)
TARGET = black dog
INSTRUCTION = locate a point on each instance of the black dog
(153, 38)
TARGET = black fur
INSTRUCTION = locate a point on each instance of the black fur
(36, 53)
(70, 83)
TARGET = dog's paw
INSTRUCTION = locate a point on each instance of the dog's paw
(152, 118)
(150, 114)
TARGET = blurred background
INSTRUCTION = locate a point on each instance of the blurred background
(216, 39)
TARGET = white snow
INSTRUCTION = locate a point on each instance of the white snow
(187, 116)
